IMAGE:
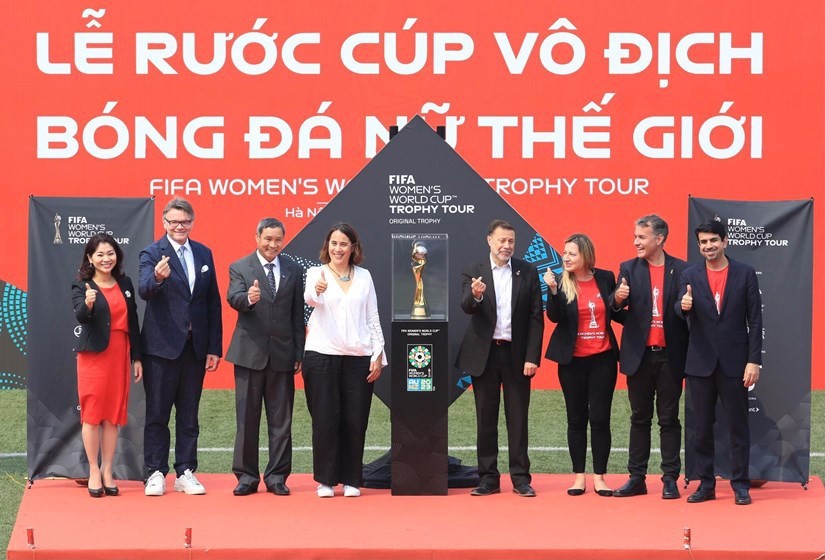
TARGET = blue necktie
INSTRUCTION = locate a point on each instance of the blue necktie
(182, 255)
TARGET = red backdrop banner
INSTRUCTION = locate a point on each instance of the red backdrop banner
(582, 115)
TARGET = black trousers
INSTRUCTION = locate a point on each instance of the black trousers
(339, 400)
(734, 398)
(273, 391)
(653, 383)
(487, 389)
(588, 383)
(168, 383)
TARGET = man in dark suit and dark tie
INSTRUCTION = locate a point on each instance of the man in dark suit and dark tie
(181, 341)
(267, 291)
(501, 348)
(721, 302)
(654, 343)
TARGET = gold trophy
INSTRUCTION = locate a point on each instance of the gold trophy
(419, 261)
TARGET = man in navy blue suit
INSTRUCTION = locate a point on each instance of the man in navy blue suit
(720, 301)
(182, 340)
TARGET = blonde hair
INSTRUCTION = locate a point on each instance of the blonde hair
(588, 255)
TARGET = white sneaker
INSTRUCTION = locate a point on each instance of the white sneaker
(155, 484)
(325, 491)
(351, 491)
(188, 483)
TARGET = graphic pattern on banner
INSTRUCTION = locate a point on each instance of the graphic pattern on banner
(776, 238)
(419, 185)
(13, 337)
(58, 231)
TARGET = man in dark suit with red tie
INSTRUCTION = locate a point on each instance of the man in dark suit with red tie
(267, 290)
(501, 348)
(181, 341)
(721, 302)
(654, 343)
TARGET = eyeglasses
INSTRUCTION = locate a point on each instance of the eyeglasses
(176, 223)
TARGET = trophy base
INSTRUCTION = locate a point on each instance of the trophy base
(419, 313)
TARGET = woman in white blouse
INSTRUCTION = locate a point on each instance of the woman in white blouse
(344, 354)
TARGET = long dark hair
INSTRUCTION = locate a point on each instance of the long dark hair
(86, 270)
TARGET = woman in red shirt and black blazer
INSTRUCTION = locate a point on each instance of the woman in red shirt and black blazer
(586, 350)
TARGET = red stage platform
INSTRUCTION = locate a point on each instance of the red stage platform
(784, 521)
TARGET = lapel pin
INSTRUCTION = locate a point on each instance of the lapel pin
(204, 268)
(127, 293)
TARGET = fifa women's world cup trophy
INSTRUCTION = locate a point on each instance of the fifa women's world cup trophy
(419, 261)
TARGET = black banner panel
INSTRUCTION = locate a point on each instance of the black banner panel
(58, 231)
(776, 238)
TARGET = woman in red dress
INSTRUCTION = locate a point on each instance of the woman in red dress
(108, 344)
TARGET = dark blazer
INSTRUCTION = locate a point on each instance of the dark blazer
(527, 322)
(95, 323)
(639, 311)
(732, 338)
(566, 317)
(171, 308)
(273, 329)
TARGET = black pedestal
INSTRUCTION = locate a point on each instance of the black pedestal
(420, 373)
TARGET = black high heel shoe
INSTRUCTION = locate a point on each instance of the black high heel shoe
(111, 490)
(96, 492)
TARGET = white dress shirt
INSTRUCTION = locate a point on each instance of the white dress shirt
(344, 323)
(503, 285)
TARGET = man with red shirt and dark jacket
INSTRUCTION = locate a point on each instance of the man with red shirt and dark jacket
(721, 302)
(653, 348)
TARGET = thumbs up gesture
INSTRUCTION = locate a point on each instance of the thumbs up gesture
(321, 284)
(91, 296)
(162, 269)
(622, 292)
(687, 299)
(550, 280)
(254, 293)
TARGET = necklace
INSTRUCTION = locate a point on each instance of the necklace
(342, 278)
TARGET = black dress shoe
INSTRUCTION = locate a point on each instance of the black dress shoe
(111, 490)
(742, 497)
(524, 490)
(245, 489)
(575, 491)
(96, 492)
(702, 495)
(670, 491)
(633, 487)
(485, 489)
(279, 489)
